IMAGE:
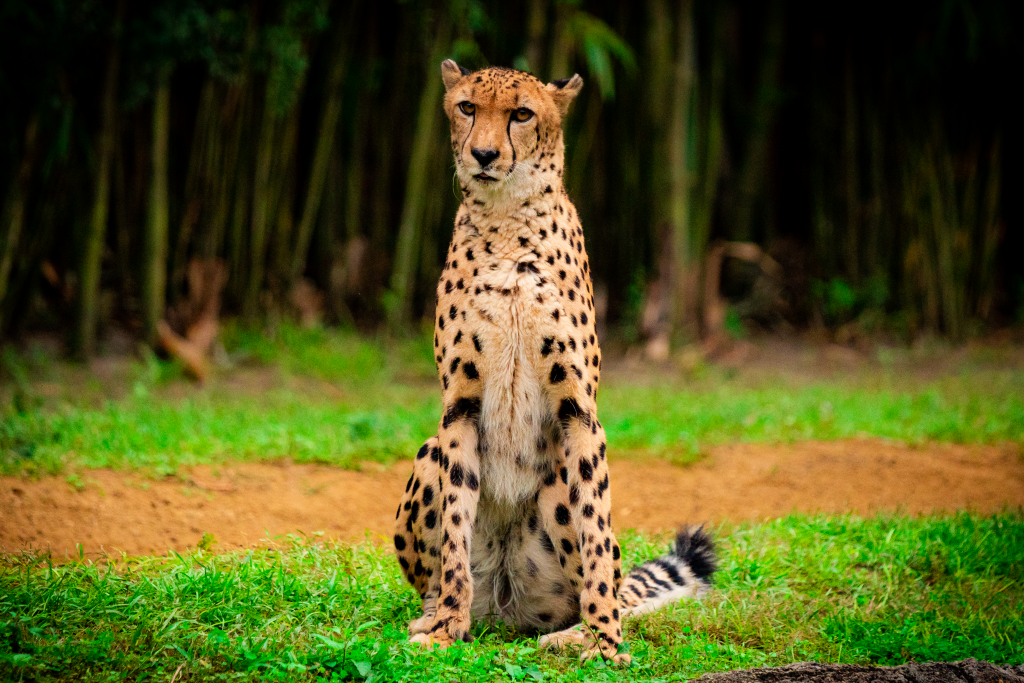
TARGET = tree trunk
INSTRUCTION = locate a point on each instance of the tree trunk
(324, 145)
(154, 295)
(92, 254)
(14, 210)
(403, 274)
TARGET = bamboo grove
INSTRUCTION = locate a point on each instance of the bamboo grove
(866, 151)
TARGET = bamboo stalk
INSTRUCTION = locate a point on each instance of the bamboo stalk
(92, 255)
(121, 220)
(261, 195)
(991, 229)
(873, 223)
(14, 209)
(679, 157)
(560, 45)
(536, 25)
(752, 173)
(578, 169)
(944, 224)
(283, 202)
(324, 145)
(851, 168)
(155, 258)
(196, 191)
(711, 134)
(241, 203)
(354, 175)
(403, 273)
(221, 168)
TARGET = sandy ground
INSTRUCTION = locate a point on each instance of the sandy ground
(244, 504)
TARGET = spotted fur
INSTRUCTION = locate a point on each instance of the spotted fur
(507, 514)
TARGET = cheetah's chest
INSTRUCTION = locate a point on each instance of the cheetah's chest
(515, 408)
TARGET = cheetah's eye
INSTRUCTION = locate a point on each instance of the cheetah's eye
(468, 108)
(522, 114)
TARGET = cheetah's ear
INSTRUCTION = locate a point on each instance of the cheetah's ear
(451, 73)
(564, 91)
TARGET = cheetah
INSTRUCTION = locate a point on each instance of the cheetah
(507, 514)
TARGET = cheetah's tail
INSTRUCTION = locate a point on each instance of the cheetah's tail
(685, 572)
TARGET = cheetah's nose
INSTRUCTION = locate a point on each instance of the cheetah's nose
(485, 156)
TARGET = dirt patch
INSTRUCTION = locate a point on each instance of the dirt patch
(244, 504)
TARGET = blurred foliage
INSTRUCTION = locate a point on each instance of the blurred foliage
(862, 170)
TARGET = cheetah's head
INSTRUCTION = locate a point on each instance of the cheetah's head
(506, 127)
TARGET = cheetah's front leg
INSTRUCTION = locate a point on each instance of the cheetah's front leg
(583, 448)
(459, 486)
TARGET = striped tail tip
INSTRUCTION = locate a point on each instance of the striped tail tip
(695, 547)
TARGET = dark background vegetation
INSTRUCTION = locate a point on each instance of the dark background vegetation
(871, 149)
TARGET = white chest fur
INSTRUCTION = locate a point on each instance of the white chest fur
(514, 405)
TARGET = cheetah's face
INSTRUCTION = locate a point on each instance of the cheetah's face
(504, 123)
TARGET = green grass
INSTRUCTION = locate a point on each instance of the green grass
(881, 590)
(335, 398)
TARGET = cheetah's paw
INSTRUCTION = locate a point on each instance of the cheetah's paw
(440, 635)
(576, 635)
(621, 658)
(421, 625)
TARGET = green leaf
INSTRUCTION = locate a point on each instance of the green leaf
(534, 672)
(330, 643)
